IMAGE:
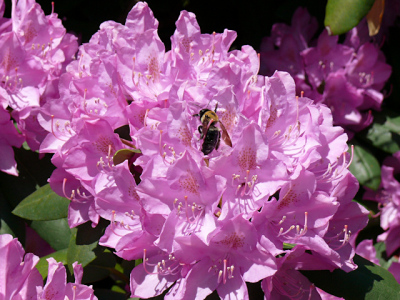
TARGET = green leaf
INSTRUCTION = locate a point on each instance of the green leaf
(384, 261)
(382, 138)
(343, 15)
(83, 245)
(117, 289)
(124, 154)
(56, 232)
(393, 123)
(43, 266)
(83, 253)
(384, 133)
(380, 249)
(288, 246)
(367, 282)
(43, 205)
(365, 168)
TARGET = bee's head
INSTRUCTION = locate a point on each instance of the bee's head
(202, 112)
(206, 115)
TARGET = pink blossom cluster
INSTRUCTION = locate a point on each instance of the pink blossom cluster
(34, 52)
(348, 77)
(272, 197)
(388, 198)
(20, 280)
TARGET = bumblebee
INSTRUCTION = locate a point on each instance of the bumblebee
(209, 132)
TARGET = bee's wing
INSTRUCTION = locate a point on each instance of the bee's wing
(225, 135)
(205, 127)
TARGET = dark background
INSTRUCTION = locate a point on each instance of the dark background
(251, 19)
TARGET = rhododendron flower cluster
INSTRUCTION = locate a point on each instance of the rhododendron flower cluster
(20, 280)
(347, 77)
(34, 52)
(276, 201)
(388, 198)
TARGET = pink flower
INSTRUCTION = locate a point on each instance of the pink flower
(388, 197)
(81, 163)
(275, 169)
(57, 288)
(20, 279)
(233, 257)
(147, 82)
(324, 68)
(19, 276)
(9, 137)
(35, 50)
(288, 282)
(366, 249)
(315, 189)
(290, 40)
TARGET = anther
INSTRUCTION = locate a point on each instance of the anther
(224, 271)
(232, 268)
(145, 118)
(281, 232)
(63, 189)
(282, 220)
(220, 273)
(73, 288)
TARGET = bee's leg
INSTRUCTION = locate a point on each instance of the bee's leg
(218, 140)
(200, 129)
